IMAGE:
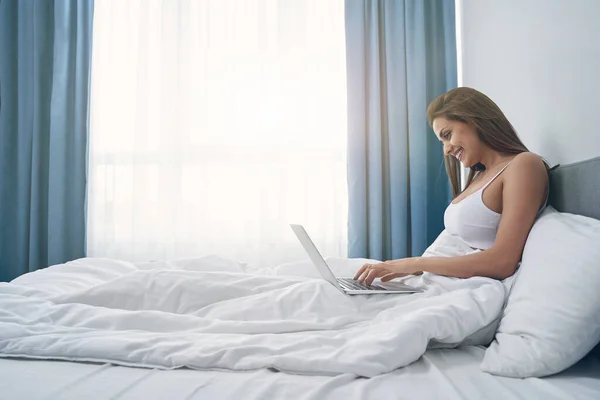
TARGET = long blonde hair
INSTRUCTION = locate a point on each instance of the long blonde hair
(468, 105)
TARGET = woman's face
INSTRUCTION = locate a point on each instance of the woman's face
(460, 140)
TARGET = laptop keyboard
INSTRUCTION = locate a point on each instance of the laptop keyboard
(349, 283)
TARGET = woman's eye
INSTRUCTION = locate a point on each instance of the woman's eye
(446, 135)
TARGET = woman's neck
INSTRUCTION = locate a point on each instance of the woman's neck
(493, 159)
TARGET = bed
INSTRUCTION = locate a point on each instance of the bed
(440, 373)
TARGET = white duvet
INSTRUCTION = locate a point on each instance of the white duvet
(211, 313)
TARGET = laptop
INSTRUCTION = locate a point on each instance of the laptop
(346, 285)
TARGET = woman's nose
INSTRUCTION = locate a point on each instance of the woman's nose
(447, 148)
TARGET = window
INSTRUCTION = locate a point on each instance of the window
(214, 124)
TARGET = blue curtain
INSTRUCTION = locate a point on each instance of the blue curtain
(45, 49)
(400, 55)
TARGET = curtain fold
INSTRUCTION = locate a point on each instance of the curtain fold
(400, 55)
(45, 49)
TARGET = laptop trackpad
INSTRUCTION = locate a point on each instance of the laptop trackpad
(397, 286)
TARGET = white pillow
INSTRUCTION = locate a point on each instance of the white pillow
(552, 317)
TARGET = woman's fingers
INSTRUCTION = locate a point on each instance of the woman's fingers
(368, 272)
(374, 272)
(364, 274)
(364, 271)
(370, 277)
(360, 271)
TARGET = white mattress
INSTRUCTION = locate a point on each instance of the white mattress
(440, 374)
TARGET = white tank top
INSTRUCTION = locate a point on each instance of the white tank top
(472, 220)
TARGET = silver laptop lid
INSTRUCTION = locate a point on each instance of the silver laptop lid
(314, 255)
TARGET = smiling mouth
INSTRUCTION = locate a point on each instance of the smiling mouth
(459, 154)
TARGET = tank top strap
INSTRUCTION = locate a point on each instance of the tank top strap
(495, 176)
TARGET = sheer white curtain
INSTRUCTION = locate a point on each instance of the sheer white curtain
(214, 124)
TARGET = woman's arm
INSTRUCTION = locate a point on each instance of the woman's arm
(488, 263)
(524, 190)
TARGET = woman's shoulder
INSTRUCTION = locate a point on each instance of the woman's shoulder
(528, 162)
(527, 166)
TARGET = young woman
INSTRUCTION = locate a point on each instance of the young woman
(505, 191)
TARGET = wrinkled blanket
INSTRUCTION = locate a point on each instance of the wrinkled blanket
(212, 313)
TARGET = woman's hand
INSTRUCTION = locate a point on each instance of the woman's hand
(387, 270)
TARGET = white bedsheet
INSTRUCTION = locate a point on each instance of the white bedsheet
(212, 313)
(113, 311)
(449, 374)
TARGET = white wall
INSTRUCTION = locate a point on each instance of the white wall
(539, 60)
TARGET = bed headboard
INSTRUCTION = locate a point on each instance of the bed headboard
(575, 188)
